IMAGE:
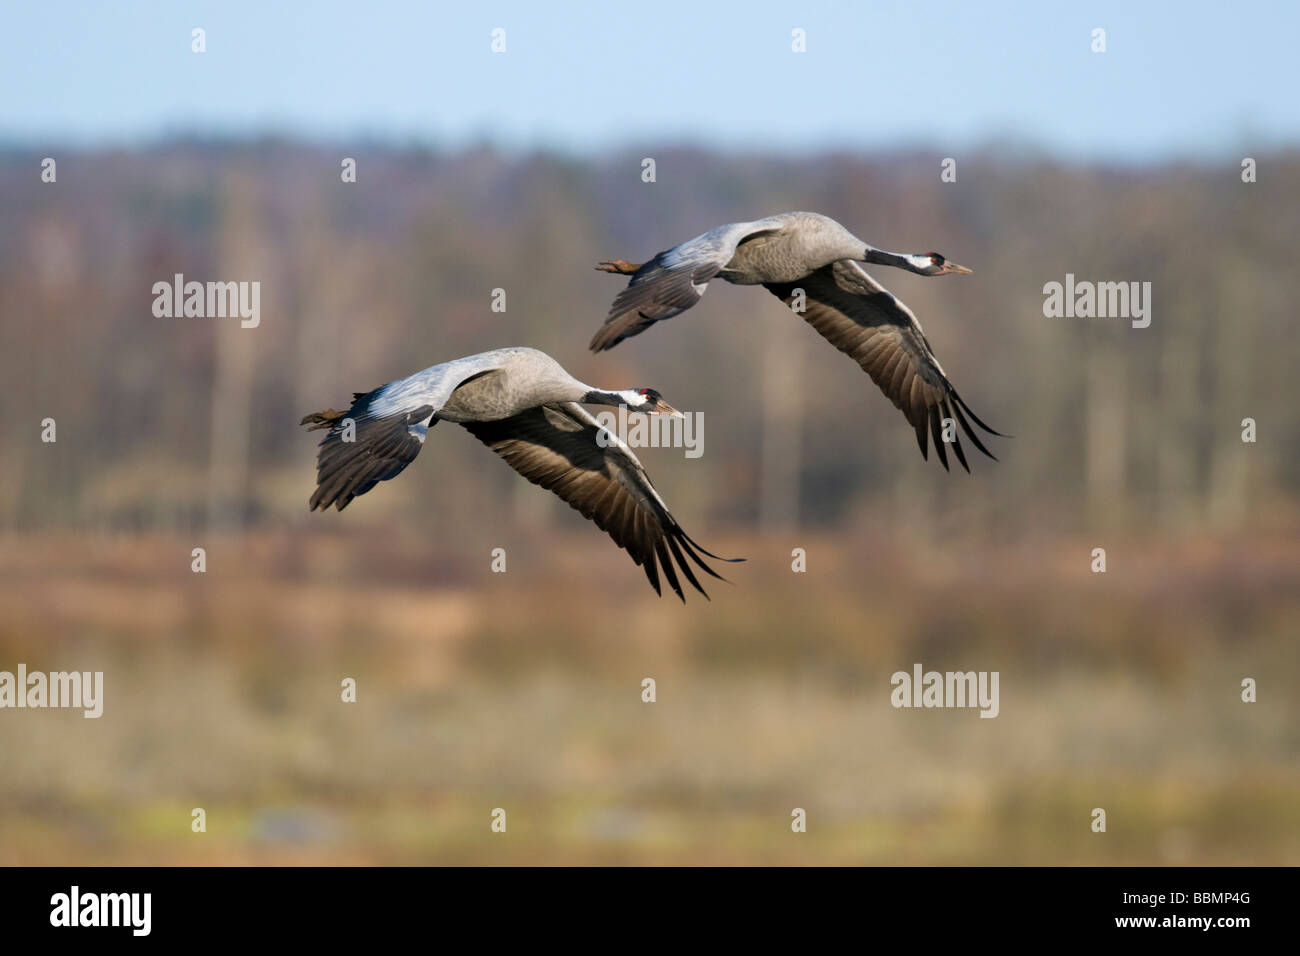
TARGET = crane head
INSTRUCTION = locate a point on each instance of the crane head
(652, 403)
(923, 264)
(933, 264)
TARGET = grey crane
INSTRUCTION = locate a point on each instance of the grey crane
(809, 260)
(524, 406)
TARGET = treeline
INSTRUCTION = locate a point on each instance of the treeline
(172, 423)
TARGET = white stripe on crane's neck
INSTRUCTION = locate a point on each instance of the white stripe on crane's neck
(627, 396)
(898, 260)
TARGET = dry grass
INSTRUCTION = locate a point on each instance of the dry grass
(479, 691)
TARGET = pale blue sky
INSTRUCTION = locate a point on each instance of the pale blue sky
(1180, 79)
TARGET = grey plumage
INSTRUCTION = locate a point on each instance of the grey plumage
(811, 260)
(524, 406)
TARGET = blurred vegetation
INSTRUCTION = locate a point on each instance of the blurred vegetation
(179, 424)
(522, 690)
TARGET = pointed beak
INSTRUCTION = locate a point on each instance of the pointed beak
(952, 267)
(663, 408)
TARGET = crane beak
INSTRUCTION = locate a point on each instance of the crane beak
(663, 408)
(954, 269)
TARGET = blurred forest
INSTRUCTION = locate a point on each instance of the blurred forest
(522, 690)
(178, 424)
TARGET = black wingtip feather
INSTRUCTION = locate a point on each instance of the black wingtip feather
(975, 418)
(669, 571)
(685, 566)
(708, 570)
(935, 431)
(956, 441)
(652, 573)
(703, 550)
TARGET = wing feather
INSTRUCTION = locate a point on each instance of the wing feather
(673, 281)
(384, 429)
(555, 446)
(861, 318)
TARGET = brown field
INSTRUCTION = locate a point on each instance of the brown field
(522, 691)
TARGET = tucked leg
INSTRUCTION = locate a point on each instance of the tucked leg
(619, 267)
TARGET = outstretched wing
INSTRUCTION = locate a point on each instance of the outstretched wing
(673, 281)
(360, 450)
(863, 320)
(384, 429)
(556, 446)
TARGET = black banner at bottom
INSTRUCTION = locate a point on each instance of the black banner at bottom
(304, 905)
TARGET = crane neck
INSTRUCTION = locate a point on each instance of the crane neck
(882, 257)
(599, 396)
